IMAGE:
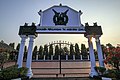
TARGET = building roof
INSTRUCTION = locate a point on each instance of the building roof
(5, 47)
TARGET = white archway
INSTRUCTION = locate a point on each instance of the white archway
(60, 20)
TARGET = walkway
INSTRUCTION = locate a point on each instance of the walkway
(50, 69)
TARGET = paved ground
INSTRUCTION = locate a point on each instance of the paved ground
(71, 70)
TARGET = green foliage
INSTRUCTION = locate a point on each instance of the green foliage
(3, 59)
(110, 73)
(57, 50)
(77, 49)
(18, 46)
(71, 50)
(65, 50)
(12, 45)
(51, 49)
(13, 72)
(100, 70)
(25, 52)
(40, 51)
(34, 52)
(83, 50)
(45, 50)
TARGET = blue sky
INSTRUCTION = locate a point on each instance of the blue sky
(14, 13)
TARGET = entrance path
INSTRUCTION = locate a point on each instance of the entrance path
(50, 69)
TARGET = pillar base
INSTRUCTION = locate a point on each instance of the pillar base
(93, 73)
(29, 73)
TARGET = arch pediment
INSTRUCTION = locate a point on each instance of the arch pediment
(60, 19)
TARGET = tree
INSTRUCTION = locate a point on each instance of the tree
(45, 52)
(57, 50)
(17, 47)
(71, 49)
(34, 52)
(12, 45)
(40, 51)
(51, 49)
(113, 58)
(103, 50)
(83, 50)
(25, 52)
(110, 46)
(77, 49)
(3, 59)
(65, 50)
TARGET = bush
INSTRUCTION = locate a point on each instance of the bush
(13, 72)
(100, 70)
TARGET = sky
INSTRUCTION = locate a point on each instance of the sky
(14, 13)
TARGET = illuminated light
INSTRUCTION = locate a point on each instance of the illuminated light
(93, 39)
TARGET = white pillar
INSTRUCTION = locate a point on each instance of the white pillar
(21, 50)
(44, 57)
(92, 57)
(81, 57)
(29, 56)
(59, 57)
(99, 51)
(73, 57)
(67, 57)
(37, 57)
(88, 57)
(51, 57)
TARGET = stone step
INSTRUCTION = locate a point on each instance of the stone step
(60, 75)
(65, 78)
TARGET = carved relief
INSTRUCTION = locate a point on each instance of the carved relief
(60, 18)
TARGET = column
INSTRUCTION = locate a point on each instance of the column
(44, 57)
(37, 56)
(29, 55)
(21, 50)
(73, 57)
(99, 51)
(92, 57)
(51, 57)
(66, 56)
(88, 57)
(81, 58)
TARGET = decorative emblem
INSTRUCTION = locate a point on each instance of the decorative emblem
(60, 18)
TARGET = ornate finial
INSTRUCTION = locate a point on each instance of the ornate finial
(26, 24)
(95, 24)
(86, 24)
(60, 4)
(33, 24)
(40, 11)
(80, 12)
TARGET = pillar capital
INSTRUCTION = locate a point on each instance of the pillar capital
(32, 36)
(23, 36)
(89, 36)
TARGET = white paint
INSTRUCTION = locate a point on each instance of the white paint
(29, 56)
(47, 16)
(92, 57)
(99, 51)
(21, 50)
